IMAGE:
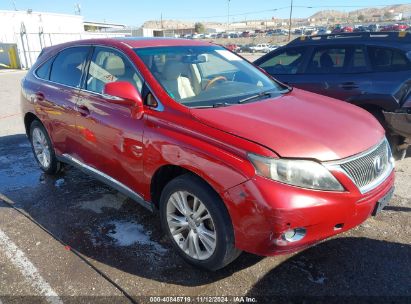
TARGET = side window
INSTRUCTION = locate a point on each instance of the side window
(43, 71)
(327, 60)
(68, 65)
(285, 62)
(359, 63)
(388, 60)
(107, 66)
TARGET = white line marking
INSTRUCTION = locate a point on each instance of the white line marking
(29, 271)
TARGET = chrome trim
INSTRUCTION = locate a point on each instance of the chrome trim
(336, 166)
(66, 158)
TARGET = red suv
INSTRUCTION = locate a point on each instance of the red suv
(232, 159)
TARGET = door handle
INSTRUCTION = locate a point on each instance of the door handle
(83, 110)
(349, 85)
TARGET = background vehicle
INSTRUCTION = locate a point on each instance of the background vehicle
(262, 47)
(167, 122)
(247, 48)
(371, 70)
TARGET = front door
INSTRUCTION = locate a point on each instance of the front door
(111, 137)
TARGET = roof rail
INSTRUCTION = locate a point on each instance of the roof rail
(393, 36)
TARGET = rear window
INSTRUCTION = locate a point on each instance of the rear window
(388, 60)
(43, 71)
(68, 66)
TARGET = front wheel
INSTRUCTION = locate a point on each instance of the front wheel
(197, 223)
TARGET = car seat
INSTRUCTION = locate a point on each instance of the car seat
(175, 81)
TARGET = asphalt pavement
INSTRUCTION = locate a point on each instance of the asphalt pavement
(71, 239)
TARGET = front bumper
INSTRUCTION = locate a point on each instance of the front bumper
(262, 210)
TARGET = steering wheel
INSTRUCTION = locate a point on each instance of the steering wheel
(213, 81)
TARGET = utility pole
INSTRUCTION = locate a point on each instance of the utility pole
(291, 16)
(228, 14)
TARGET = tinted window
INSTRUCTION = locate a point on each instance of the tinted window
(68, 65)
(359, 63)
(107, 66)
(43, 71)
(327, 60)
(285, 62)
(388, 60)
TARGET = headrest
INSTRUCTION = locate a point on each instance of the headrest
(173, 69)
(326, 61)
(114, 65)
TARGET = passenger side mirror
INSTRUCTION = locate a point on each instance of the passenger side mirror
(124, 93)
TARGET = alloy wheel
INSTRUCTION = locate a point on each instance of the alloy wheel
(41, 147)
(191, 225)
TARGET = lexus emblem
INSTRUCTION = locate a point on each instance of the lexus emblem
(378, 165)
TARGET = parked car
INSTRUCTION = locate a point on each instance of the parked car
(231, 159)
(394, 28)
(247, 48)
(371, 70)
(361, 28)
(323, 31)
(232, 47)
(261, 47)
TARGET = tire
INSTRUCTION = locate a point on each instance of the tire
(43, 149)
(212, 239)
(395, 142)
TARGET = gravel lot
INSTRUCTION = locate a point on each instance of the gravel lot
(72, 239)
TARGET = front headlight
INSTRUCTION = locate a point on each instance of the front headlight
(300, 173)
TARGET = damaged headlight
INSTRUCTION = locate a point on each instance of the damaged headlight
(300, 173)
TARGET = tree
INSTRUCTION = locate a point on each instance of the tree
(199, 28)
(361, 18)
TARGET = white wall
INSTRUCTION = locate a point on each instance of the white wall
(56, 28)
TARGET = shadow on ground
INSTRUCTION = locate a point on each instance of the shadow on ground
(109, 228)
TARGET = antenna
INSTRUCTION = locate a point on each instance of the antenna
(77, 9)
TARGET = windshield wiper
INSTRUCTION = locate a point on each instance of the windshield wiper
(221, 104)
(259, 96)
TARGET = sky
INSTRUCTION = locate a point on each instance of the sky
(134, 13)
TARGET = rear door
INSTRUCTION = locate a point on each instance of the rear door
(390, 70)
(337, 71)
(57, 96)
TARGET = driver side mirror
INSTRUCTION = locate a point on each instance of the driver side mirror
(124, 93)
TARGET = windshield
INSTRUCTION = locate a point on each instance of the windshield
(207, 76)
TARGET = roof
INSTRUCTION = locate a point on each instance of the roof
(399, 38)
(141, 42)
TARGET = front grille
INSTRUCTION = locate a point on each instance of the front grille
(367, 169)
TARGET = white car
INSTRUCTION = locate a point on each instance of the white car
(262, 48)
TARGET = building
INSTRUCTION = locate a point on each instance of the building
(31, 31)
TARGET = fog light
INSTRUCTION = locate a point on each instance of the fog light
(294, 235)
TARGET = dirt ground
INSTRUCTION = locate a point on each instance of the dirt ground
(71, 239)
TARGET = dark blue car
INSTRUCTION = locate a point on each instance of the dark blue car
(371, 70)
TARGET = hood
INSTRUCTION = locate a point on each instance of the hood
(299, 125)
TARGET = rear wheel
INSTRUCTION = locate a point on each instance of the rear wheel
(197, 223)
(43, 149)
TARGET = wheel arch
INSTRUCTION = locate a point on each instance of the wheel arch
(29, 117)
(165, 173)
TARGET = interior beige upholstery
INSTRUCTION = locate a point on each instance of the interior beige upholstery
(175, 80)
(114, 65)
